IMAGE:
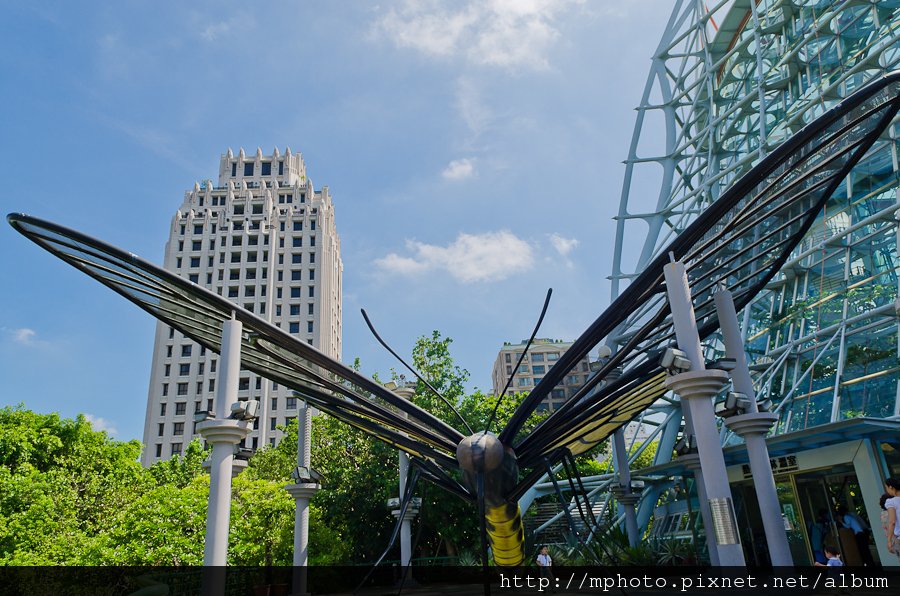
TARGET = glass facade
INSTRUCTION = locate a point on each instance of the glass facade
(730, 86)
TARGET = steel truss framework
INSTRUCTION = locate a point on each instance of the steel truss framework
(730, 82)
(742, 240)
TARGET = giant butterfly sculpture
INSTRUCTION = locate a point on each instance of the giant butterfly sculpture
(742, 239)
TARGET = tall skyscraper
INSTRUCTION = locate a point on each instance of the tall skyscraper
(264, 238)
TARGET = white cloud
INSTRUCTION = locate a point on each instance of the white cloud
(459, 169)
(24, 336)
(563, 245)
(511, 34)
(492, 256)
(215, 30)
(101, 424)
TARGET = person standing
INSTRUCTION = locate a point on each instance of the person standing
(884, 524)
(545, 563)
(861, 531)
(892, 506)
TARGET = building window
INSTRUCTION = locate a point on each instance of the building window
(165, 389)
(250, 291)
(209, 405)
(273, 423)
(184, 370)
(182, 389)
(507, 357)
(552, 356)
(537, 357)
(309, 326)
(296, 275)
(176, 448)
(212, 366)
(251, 257)
(558, 394)
(186, 351)
(199, 387)
(298, 226)
(162, 430)
(312, 258)
(159, 450)
(295, 310)
(248, 168)
(259, 383)
(280, 276)
(297, 242)
(194, 278)
(234, 169)
(212, 385)
(233, 292)
(297, 258)
(309, 308)
(312, 240)
(295, 292)
(274, 403)
(291, 403)
(312, 291)
(178, 262)
(167, 369)
(294, 328)
(244, 384)
(538, 370)
(180, 408)
(162, 409)
(266, 168)
(181, 245)
(253, 240)
(178, 428)
(312, 224)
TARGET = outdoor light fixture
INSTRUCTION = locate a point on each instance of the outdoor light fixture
(726, 364)
(734, 403)
(637, 486)
(245, 410)
(685, 445)
(305, 475)
(203, 416)
(675, 361)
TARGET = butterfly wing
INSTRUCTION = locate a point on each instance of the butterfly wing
(742, 239)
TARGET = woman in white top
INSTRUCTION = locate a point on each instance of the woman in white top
(892, 506)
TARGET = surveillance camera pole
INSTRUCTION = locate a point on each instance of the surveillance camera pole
(753, 427)
(223, 434)
(697, 388)
(302, 493)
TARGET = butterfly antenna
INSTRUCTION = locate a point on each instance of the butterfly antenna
(413, 371)
(521, 358)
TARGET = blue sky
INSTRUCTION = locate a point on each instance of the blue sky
(473, 150)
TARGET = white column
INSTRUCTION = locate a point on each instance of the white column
(302, 493)
(753, 427)
(222, 433)
(624, 496)
(405, 525)
(697, 388)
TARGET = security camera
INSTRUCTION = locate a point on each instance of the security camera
(675, 361)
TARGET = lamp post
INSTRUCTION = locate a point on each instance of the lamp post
(697, 387)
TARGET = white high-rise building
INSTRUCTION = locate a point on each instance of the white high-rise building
(264, 238)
